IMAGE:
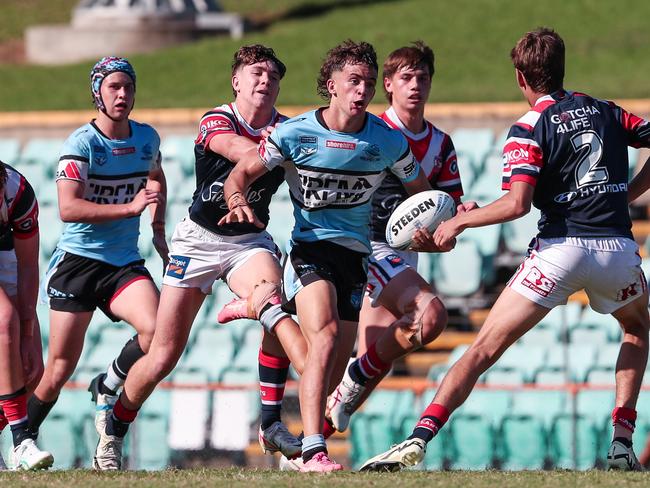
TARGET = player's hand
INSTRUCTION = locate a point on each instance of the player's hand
(445, 235)
(242, 214)
(423, 242)
(160, 245)
(143, 198)
(267, 131)
(466, 207)
(31, 359)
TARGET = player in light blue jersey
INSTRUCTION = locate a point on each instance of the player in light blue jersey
(109, 172)
(334, 159)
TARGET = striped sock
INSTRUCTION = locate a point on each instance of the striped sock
(119, 421)
(273, 377)
(14, 407)
(312, 445)
(432, 420)
(367, 366)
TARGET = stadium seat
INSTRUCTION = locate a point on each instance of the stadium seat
(179, 186)
(490, 404)
(523, 442)
(500, 376)
(58, 435)
(154, 265)
(633, 159)
(111, 342)
(370, 434)
(562, 318)
(50, 231)
(581, 358)
(607, 323)
(548, 376)
(544, 405)
(595, 405)
(150, 450)
(35, 175)
(518, 233)
(588, 334)
(176, 212)
(607, 355)
(212, 352)
(602, 376)
(9, 150)
(179, 149)
(487, 186)
(474, 144)
(540, 335)
(473, 442)
(458, 274)
(525, 358)
(42, 151)
(190, 409)
(234, 411)
(587, 442)
(281, 222)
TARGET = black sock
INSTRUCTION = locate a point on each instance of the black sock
(626, 442)
(354, 370)
(19, 432)
(307, 455)
(116, 427)
(37, 411)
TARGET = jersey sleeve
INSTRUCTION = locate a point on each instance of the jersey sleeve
(156, 160)
(74, 161)
(405, 167)
(24, 211)
(271, 152)
(636, 128)
(522, 157)
(448, 179)
(213, 124)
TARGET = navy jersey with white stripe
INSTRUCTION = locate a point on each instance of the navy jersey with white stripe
(112, 171)
(573, 149)
(435, 152)
(18, 210)
(332, 175)
(208, 204)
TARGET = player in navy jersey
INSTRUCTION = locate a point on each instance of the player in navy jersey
(21, 356)
(400, 310)
(334, 159)
(242, 255)
(109, 172)
(568, 157)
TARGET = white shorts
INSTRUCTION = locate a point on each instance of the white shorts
(198, 257)
(608, 269)
(384, 264)
(9, 273)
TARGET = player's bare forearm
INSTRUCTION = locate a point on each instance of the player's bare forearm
(514, 204)
(242, 176)
(640, 183)
(27, 281)
(158, 183)
(233, 147)
(419, 184)
(74, 208)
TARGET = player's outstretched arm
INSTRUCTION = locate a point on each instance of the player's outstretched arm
(26, 249)
(514, 204)
(233, 147)
(640, 183)
(419, 184)
(236, 187)
(74, 208)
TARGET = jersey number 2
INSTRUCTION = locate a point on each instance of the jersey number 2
(589, 147)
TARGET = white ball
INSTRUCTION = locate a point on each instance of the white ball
(426, 209)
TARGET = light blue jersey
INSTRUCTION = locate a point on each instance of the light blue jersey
(112, 172)
(332, 175)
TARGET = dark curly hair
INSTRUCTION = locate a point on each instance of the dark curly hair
(256, 53)
(348, 52)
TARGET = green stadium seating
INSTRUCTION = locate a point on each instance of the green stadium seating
(581, 358)
(473, 442)
(589, 334)
(602, 376)
(607, 355)
(281, 221)
(150, 449)
(492, 405)
(458, 274)
(179, 149)
(595, 405)
(42, 151)
(425, 266)
(212, 352)
(543, 405)
(190, 409)
(50, 229)
(473, 144)
(179, 186)
(587, 442)
(9, 150)
(540, 335)
(551, 376)
(499, 376)
(562, 317)
(590, 318)
(59, 435)
(176, 211)
(525, 358)
(517, 234)
(523, 440)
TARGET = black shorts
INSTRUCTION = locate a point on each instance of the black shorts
(78, 284)
(309, 262)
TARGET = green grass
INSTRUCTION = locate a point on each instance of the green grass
(267, 479)
(606, 51)
(16, 15)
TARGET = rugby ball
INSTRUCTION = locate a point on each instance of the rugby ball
(426, 209)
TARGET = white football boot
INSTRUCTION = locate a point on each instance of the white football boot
(621, 457)
(403, 455)
(28, 457)
(344, 401)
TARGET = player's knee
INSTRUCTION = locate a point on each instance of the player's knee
(60, 372)
(423, 320)
(162, 363)
(145, 337)
(482, 355)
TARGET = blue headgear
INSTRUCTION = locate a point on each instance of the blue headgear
(103, 68)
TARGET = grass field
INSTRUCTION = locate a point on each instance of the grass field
(606, 51)
(267, 479)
